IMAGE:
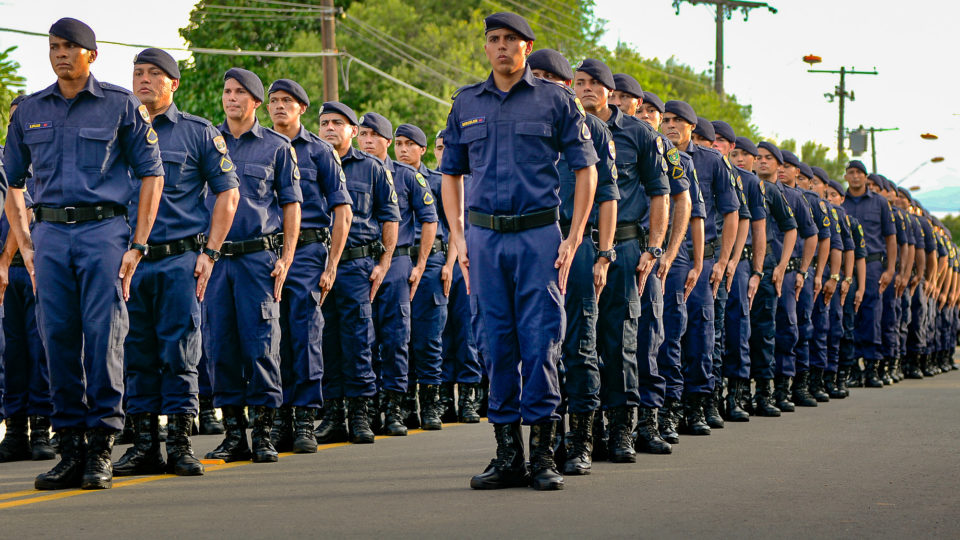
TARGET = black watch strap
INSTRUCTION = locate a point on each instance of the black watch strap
(758, 274)
(143, 249)
(212, 253)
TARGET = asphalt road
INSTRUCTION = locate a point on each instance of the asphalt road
(881, 464)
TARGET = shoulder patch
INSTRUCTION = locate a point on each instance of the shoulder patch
(393, 196)
(143, 113)
(823, 207)
(677, 172)
(293, 153)
(151, 136)
(740, 183)
(727, 162)
(585, 132)
(763, 189)
(673, 156)
(612, 147)
(660, 145)
(389, 178)
(421, 180)
(580, 106)
(663, 164)
(225, 164)
(427, 198)
(343, 178)
(220, 144)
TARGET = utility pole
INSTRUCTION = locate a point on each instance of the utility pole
(328, 38)
(873, 142)
(725, 9)
(841, 92)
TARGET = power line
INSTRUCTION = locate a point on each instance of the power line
(401, 55)
(542, 26)
(290, 4)
(248, 8)
(558, 12)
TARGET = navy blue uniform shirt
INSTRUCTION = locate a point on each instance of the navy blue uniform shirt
(607, 173)
(843, 225)
(82, 150)
(641, 166)
(718, 186)
(414, 199)
(511, 142)
(783, 218)
(322, 181)
(434, 180)
(821, 216)
(371, 190)
(194, 158)
(930, 242)
(860, 243)
(753, 193)
(698, 208)
(806, 227)
(269, 178)
(873, 213)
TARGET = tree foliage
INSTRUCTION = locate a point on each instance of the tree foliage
(952, 222)
(10, 85)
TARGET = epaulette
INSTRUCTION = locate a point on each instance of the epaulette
(115, 88)
(195, 118)
(281, 136)
(462, 88)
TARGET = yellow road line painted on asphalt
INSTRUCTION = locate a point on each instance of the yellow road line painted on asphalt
(217, 465)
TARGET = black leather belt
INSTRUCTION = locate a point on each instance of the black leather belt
(177, 247)
(312, 236)
(255, 245)
(514, 223)
(374, 249)
(404, 251)
(794, 264)
(439, 246)
(79, 214)
(748, 252)
(874, 257)
(709, 249)
(626, 232)
(17, 260)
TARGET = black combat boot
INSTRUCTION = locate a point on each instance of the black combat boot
(448, 409)
(763, 398)
(670, 415)
(484, 397)
(430, 407)
(946, 362)
(693, 422)
(579, 444)
(304, 440)
(543, 470)
(411, 418)
(801, 390)
(209, 425)
(559, 430)
(885, 371)
(711, 404)
(263, 449)
(98, 470)
(648, 434)
(68, 473)
(358, 421)
(600, 437)
(816, 387)
(333, 426)
(508, 468)
(393, 417)
(896, 373)
(234, 446)
(468, 400)
(375, 411)
(180, 458)
(855, 376)
(734, 410)
(926, 367)
(128, 433)
(281, 432)
(781, 393)
(144, 457)
(911, 366)
(843, 375)
(16, 442)
(620, 443)
(871, 378)
(830, 385)
(40, 448)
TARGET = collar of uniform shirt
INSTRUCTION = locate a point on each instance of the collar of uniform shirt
(92, 87)
(352, 154)
(254, 130)
(170, 114)
(528, 78)
(616, 117)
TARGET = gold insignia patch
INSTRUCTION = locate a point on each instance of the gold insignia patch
(343, 178)
(225, 164)
(727, 161)
(427, 198)
(293, 152)
(677, 173)
(826, 221)
(823, 207)
(740, 184)
(660, 145)
(763, 189)
(673, 156)
(613, 149)
(296, 172)
(143, 113)
(220, 144)
(663, 165)
(585, 132)
(151, 136)
(389, 177)
(393, 196)
(580, 106)
(421, 180)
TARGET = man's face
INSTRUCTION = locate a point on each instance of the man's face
(372, 142)
(69, 60)
(506, 50)
(701, 141)
(742, 159)
(593, 95)
(649, 114)
(676, 129)
(833, 196)
(855, 178)
(788, 174)
(817, 186)
(902, 201)
(438, 150)
(238, 104)
(872, 186)
(723, 146)
(408, 151)
(767, 165)
(803, 181)
(547, 76)
(284, 109)
(152, 85)
(337, 130)
(628, 104)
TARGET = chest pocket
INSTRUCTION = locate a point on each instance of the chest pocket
(93, 146)
(40, 142)
(254, 184)
(533, 142)
(361, 193)
(173, 163)
(308, 184)
(475, 137)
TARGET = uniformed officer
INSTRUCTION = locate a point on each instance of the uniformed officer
(508, 131)
(781, 239)
(719, 189)
(85, 140)
(651, 109)
(892, 309)
(391, 307)
(162, 349)
(628, 94)
(916, 272)
(918, 334)
(245, 287)
(881, 241)
(324, 223)
(795, 276)
(348, 332)
(24, 377)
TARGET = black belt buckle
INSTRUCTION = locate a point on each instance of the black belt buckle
(377, 249)
(505, 223)
(70, 215)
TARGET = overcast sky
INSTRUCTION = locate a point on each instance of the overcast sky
(911, 47)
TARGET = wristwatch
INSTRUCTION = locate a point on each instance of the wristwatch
(657, 252)
(758, 274)
(212, 253)
(835, 277)
(848, 279)
(609, 254)
(143, 249)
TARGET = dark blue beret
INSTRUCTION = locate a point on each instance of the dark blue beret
(440, 134)
(339, 108)
(627, 84)
(905, 192)
(681, 109)
(820, 173)
(806, 171)
(75, 31)
(653, 99)
(772, 148)
(551, 61)
(18, 99)
(790, 157)
(378, 123)
(747, 146)
(291, 87)
(413, 133)
(835, 185)
(248, 80)
(511, 21)
(724, 130)
(888, 185)
(875, 178)
(599, 71)
(705, 129)
(857, 164)
(159, 58)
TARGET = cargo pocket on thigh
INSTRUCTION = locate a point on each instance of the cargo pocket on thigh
(588, 339)
(315, 337)
(268, 329)
(119, 323)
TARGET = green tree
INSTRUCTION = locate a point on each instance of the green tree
(952, 222)
(10, 85)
